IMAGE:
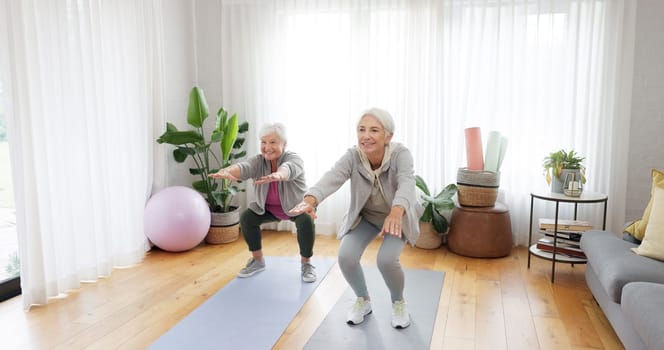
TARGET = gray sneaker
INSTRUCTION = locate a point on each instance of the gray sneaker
(253, 267)
(308, 274)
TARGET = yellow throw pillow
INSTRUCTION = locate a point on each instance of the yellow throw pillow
(638, 227)
(652, 245)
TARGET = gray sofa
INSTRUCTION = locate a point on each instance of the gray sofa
(628, 287)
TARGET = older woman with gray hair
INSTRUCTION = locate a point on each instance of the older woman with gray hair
(280, 184)
(382, 203)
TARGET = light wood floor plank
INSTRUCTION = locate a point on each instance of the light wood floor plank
(551, 333)
(490, 316)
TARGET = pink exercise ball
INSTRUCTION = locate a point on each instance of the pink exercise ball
(177, 218)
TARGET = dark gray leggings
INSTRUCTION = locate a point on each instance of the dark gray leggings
(351, 249)
(250, 223)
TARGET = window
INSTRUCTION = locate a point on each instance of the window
(9, 260)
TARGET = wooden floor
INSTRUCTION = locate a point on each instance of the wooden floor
(484, 304)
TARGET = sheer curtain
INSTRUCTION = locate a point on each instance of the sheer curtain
(84, 79)
(545, 74)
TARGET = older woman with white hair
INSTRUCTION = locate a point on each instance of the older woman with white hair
(382, 203)
(280, 184)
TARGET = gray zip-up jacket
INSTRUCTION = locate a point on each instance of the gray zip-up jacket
(397, 179)
(291, 191)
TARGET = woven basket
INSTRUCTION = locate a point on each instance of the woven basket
(477, 188)
(223, 234)
(429, 238)
(472, 196)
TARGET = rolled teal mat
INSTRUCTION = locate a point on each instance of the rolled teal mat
(492, 154)
(503, 149)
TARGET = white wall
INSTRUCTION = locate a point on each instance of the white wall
(646, 146)
(179, 71)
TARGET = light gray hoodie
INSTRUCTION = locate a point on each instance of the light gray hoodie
(291, 191)
(396, 177)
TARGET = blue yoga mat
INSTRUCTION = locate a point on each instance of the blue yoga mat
(422, 293)
(248, 313)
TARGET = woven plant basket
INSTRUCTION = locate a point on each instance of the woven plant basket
(477, 188)
(223, 234)
(429, 238)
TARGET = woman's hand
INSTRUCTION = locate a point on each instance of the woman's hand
(392, 223)
(223, 174)
(308, 205)
(276, 176)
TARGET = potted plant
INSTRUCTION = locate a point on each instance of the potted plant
(557, 165)
(433, 223)
(195, 144)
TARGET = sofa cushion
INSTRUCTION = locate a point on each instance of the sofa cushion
(653, 241)
(616, 265)
(642, 303)
(638, 227)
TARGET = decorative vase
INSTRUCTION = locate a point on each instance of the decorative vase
(557, 182)
(573, 185)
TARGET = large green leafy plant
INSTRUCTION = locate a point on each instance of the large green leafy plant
(434, 205)
(194, 143)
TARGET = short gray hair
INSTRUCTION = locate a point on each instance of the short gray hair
(383, 117)
(273, 128)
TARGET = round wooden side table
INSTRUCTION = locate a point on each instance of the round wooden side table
(480, 232)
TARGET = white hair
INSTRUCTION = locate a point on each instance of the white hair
(274, 128)
(383, 117)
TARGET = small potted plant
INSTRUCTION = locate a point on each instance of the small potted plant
(433, 223)
(557, 165)
(195, 144)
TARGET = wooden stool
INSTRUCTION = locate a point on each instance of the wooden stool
(480, 232)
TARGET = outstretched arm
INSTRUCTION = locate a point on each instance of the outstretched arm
(282, 174)
(308, 205)
(230, 173)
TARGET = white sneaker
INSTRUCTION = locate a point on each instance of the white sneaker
(400, 315)
(360, 308)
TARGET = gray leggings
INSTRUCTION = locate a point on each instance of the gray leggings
(351, 249)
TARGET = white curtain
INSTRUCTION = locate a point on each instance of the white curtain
(85, 83)
(545, 74)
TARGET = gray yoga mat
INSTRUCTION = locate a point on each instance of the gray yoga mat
(422, 293)
(248, 313)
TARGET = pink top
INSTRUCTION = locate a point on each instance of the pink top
(273, 202)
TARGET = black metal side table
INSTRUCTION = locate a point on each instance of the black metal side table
(586, 197)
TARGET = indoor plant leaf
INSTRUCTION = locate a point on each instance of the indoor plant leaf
(177, 138)
(230, 134)
(419, 182)
(181, 153)
(439, 222)
(197, 111)
(238, 155)
(426, 216)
